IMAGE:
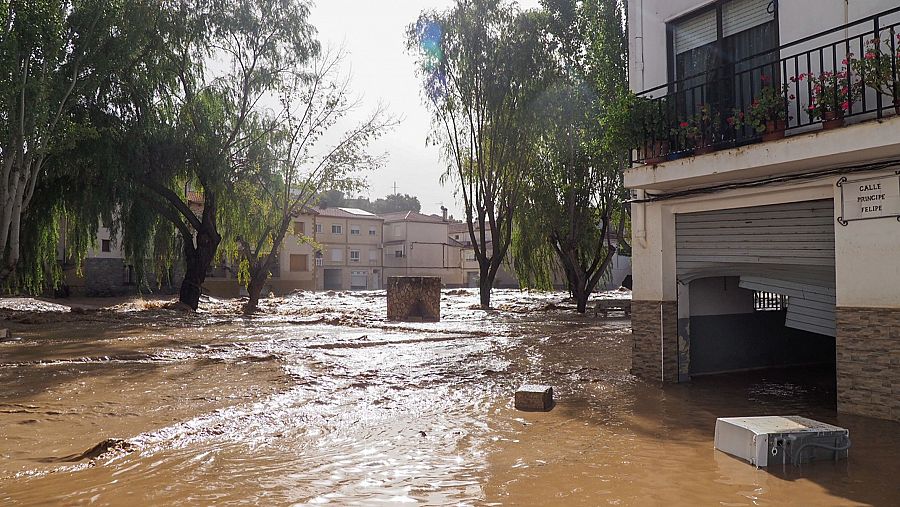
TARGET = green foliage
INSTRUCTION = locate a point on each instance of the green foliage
(480, 65)
(388, 204)
(574, 191)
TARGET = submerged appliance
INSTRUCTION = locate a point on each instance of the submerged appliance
(770, 440)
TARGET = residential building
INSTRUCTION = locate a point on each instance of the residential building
(324, 249)
(418, 245)
(751, 251)
(351, 249)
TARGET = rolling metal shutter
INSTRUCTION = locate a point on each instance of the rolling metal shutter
(786, 249)
(695, 32)
(740, 15)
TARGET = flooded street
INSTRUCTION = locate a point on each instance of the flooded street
(318, 400)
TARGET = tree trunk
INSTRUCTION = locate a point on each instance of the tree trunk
(198, 259)
(254, 289)
(485, 283)
(259, 273)
(581, 299)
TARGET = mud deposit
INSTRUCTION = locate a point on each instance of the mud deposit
(319, 400)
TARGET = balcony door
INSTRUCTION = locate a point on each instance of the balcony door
(720, 54)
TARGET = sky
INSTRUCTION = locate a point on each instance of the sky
(373, 34)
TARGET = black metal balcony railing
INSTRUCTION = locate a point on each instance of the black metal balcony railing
(852, 74)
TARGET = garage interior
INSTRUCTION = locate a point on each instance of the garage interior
(756, 291)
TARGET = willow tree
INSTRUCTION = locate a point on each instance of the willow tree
(300, 165)
(195, 121)
(479, 64)
(55, 57)
(574, 199)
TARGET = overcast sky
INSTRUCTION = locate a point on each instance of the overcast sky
(373, 34)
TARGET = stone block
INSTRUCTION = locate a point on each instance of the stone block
(534, 398)
(414, 298)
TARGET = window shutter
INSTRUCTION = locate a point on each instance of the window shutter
(695, 32)
(740, 15)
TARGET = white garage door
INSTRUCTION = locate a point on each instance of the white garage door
(786, 249)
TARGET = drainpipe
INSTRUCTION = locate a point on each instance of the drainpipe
(638, 49)
(639, 218)
(662, 349)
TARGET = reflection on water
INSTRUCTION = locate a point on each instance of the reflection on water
(320, 401)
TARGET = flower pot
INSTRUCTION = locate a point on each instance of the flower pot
(832, 120)
(774, 130)
(656, 152)
(703, 150)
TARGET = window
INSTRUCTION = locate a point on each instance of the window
(337, 255)
(354, 230)
(714, 44)
(354, 255)
(319, 228)
(299, 262)
(372, 231)
(105, 245)
(299, 228)
(769, 301)
(398, 253)
(336, 229)
(373, 255)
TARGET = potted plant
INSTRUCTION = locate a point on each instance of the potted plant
(878, 70)
(832, 95)
(709, 123)
(767, 114)
(650, 128)
(686, 134)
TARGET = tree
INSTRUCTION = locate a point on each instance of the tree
(480, 65)
(388, 204)
(574, 194)
(56, 56)
(299, 168)
(194, 120)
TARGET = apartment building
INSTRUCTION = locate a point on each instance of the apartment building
(324, 249)
(418, 245)
(766, 192)
(351, 249)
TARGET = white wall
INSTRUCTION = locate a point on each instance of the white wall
(867, 255)
(719, 295)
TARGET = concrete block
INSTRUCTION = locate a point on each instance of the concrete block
(414, 298)
(534, 398)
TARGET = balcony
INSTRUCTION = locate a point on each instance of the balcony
(848, 74)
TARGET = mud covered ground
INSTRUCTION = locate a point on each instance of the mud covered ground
(319, 400)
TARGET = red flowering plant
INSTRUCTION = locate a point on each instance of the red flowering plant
(877, 67)
(770, 105)
(832, 92)
(686, 133)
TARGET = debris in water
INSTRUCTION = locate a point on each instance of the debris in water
(534, 398)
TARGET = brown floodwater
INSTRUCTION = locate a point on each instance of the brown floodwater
(319, 401)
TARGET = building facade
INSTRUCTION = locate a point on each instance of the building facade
(419, 245)
(324, 249)
(766, 192)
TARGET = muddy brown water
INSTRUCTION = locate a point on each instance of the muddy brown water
(319, 401)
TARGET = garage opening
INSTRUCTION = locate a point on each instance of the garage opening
(332, 280)
(757, 292)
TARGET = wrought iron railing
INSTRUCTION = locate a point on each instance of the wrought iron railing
(831, 74)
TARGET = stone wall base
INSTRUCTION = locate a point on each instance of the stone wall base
(414, 298)
(653, 357)
(868, 361)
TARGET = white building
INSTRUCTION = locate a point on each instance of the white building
(750, 253)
